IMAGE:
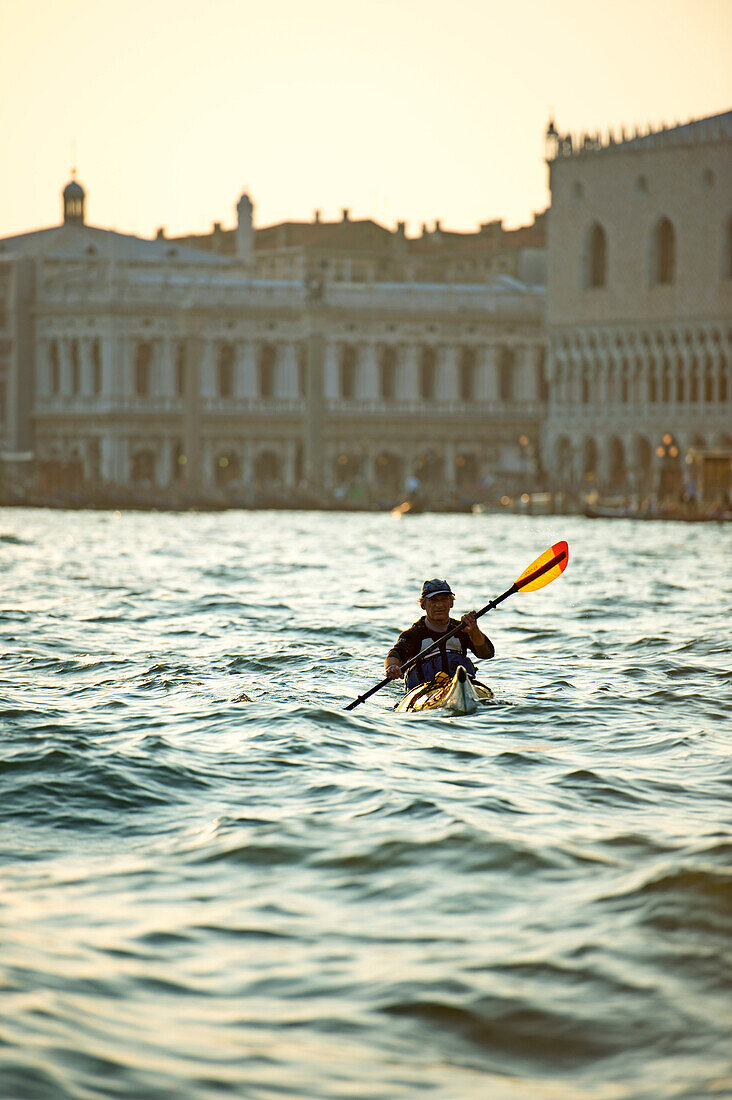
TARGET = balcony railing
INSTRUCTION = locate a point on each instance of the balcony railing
(157, 405)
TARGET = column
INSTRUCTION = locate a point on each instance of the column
(109, 348)
(331, 370)
(486, 379)
(288, 464)
(164, 463)
(113, 452)
(207, 368)
(450, 469)
(206, 464)
(86, 381)
(406, 380)
(125, 381)
(447, 386)
(64, 366)
(166, 372)
(191, 410)
(43, 368)
(286, 380)
(245, 372)
(367, 373)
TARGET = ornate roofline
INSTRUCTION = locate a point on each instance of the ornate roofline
(702, 131)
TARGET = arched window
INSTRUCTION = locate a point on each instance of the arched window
(347, 369)
(427, 370)
(75, 374)
(663, 254)
(596, 257)
(505, 374)
(180, 368)
(266, 370)
(387, 373)
(467, 374)
(679, 382)
(585, 386)
(266, 468)
(143, 355)
(652, 385)
(302, 378)
(225, 371)
(143, 467)
(55, 373)
(694, 385)
(96, 358)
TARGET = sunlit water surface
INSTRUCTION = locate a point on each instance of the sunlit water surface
(202, 898)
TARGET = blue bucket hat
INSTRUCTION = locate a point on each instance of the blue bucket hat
(436, 588)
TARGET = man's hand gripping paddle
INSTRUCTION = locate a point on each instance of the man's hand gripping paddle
(541, 572)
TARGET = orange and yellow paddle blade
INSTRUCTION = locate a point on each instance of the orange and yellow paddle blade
(545, 569)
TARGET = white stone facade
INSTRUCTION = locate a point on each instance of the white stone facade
(153, 378)
(639, 305)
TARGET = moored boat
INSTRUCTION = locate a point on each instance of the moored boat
(459, 695)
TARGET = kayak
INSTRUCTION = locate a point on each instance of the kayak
(459, 695)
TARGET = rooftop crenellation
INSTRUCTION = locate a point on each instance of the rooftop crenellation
(700, 131)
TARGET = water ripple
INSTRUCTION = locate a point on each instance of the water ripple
(205, 897)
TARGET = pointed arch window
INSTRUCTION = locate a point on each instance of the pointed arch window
(55, 370)
(96, 361)
(75, 367)
(663, 253)
(596, 257)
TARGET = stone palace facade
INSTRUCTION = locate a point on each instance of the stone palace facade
(639, 305)
(343, 360)
(164, 364)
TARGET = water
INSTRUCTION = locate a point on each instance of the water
(202, 898)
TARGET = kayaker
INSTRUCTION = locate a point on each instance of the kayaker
(436, 600)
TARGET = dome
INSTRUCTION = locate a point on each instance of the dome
(73, 202)
(73, 190)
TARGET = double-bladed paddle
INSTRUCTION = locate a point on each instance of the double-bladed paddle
(546, 568)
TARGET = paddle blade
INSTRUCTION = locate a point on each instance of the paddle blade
(545, 569)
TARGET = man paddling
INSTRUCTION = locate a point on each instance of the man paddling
(436, 601)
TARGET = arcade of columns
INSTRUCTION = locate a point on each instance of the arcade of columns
(94, 393)
(617, 396)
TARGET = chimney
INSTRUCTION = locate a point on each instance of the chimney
(316, 217)
(244, 232)
(346, 213)
(160, 235)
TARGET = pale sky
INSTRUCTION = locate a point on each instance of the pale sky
(405, 110)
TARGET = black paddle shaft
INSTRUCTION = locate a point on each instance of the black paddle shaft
(523, 580)
(431, 649)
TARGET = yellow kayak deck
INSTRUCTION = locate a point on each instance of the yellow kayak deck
(458, 695)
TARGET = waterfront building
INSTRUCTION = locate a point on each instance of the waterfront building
(639, 305)
(190, 368)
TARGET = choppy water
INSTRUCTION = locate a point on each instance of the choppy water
(201, 898)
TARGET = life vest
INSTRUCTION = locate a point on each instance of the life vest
(447, 658)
